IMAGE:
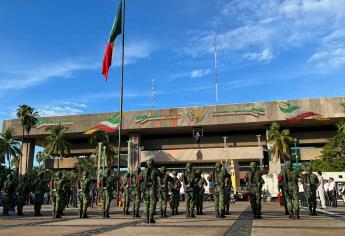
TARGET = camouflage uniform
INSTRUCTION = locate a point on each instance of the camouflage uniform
(189, 179)
(136, 185)
(164, 180)
(57, 194)
(41, 187)
(291, 193)
(9, 192)
(201, 183)
(84, 186)
(254, 183)
(311, 183)
(175, 193)
(126, 193)
(219, 191)
(150, 186)
(227, 193)
(23, 189)
(108, 186)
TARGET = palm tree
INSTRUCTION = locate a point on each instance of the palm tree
(280, 141)
(9, 148)
(107, 142)
(341, 126)
(56, 143)
(28, 118)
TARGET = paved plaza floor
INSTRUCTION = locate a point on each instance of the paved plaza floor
(239, 223)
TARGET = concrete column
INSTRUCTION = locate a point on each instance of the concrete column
(28, 151)
(235, 174)
(134, 144)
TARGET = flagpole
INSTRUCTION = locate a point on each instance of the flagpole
(121, 98)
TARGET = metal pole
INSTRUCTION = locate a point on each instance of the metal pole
(99, 161)
(121, 97)
(215, 66)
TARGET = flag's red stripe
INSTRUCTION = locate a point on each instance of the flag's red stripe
(107, 60)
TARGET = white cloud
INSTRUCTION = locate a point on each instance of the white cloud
(244, 27)
(331, 53)
(63, 109)
(264, 55)
(22, 78)
(199, 73)
(134, 51)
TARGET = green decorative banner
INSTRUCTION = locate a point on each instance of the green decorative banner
(45, 124)
(142, 119)
(256, 112)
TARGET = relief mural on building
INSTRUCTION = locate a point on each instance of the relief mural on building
(196, 115)
(45, 124)
(255, 112)
(109, 125)
(142, 119)
(294, 113)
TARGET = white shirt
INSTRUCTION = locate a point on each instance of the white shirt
(300, 187)
(331, 186)
(326, 185)
(321, 185)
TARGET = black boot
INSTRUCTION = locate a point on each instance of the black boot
(176, 211)
(310, 211)
(173, 212)
(162, 214)
(192, 213)
(107, 214)
(314, 212)
(137, 214)
(152, 219)
(201, 213)
(222, 215)
(217, 214)
(188, 214)
(165, 214)
(80, 214)
(297, 214)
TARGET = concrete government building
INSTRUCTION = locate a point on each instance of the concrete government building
(166, 135)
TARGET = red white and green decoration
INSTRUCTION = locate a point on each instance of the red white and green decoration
(295, 113)
(256, 112)
(110, 125)
(45, 124)
(142, 119)
(116, 30)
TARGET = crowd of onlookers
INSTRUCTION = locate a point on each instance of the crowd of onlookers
(327, 192)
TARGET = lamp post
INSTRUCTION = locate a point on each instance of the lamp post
(225, 138)
(295, 152)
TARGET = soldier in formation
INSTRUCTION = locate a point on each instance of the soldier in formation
(220, 175)
(126, 183)
(84, 186)
(136, 186)
(289, 177)
(254, 184)
(108, 185)
(200, 190)
(40, 188)
(57, 194)
(150, 186)
(189, 180)
(9, 192)
(311, 182)
(23, 190)
(175, 193)
(227, 193)
(164, 180)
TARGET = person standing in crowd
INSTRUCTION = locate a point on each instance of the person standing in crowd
(164, 180)
(326, 185)
(189, 180)
(301, 193)
(220, 175)
(321, 190)
(332, 193)
(175, 193)
(311, 182)
(126, 193)
(136, 185)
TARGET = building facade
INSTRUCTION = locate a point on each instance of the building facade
(234, 134)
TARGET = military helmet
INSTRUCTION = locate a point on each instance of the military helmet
(189, 165)
(253, 165)
(150, 163)
(288, 164)
(9, 176)
(85, 173)
(218, 164)
(126, 174)
(174, 173)
(58, 174)
(309, 168)
(198, 172)
(163, 169)
(107, 172)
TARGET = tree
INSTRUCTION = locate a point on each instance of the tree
(9, 148)
(28, 118)
(107, 142)
(56, 143)
(280, 141)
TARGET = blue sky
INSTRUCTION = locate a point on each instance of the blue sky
(51, 53)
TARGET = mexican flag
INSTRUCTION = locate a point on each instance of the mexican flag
(115, 31)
